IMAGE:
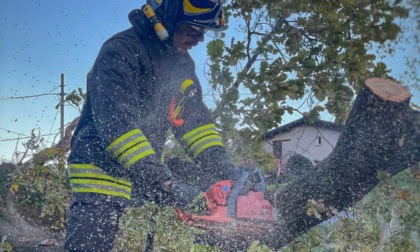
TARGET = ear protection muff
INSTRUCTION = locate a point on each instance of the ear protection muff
(160, 30)
(166, 11)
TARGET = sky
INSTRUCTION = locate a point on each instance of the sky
(40, 40)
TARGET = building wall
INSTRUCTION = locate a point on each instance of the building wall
(303, 140)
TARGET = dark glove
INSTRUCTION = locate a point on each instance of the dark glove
(256, 180)
(250, 180)
(148, 180)
(185, 197)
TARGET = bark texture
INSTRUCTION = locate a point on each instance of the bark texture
(382, 133)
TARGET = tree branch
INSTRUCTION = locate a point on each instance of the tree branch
(257, 52)
(63, 146)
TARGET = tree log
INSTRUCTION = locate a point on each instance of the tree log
(382, 133)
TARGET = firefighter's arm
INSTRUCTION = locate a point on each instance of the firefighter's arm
(200, 137)
(114, 87)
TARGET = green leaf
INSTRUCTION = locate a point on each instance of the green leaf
(215, 49)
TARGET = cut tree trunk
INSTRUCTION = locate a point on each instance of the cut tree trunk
(382, 133)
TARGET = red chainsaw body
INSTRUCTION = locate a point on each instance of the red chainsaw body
(254, 206)
(252, 213)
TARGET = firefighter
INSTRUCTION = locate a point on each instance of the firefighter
(142, 84)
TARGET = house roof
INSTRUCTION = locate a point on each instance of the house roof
(302, 122)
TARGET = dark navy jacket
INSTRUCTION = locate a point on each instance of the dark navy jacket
(138, 89)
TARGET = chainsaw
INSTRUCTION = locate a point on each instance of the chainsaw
(235, 211)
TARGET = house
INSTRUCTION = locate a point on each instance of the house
(313, 140)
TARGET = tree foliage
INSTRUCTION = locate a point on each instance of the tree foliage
(40, 186)
(280, 51)
(385, 220)
(409, 41)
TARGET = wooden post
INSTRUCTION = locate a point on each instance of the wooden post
(62, 109)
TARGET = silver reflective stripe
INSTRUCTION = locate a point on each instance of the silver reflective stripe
(91, 171)
(136, 153)
(191, 136)
(85, 183)
(86, 178)
(130, 148)
(205, 143)
(201, 138)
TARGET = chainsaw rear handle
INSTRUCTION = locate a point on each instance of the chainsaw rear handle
(234, 194)
(239, 187)
(260, 185)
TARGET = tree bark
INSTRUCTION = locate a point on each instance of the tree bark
(382, 133)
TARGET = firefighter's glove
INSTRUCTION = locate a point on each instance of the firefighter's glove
(148, 182)
(185, 197)
(253, 179)
(256, 178)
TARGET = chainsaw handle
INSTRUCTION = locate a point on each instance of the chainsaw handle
(260, 186)
(234, 194)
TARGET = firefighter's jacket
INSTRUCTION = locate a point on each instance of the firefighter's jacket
(137, 89)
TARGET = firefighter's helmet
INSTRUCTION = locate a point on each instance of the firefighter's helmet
(206, 14)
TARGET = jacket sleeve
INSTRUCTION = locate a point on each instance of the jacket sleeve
(200, 137)
(114, 88)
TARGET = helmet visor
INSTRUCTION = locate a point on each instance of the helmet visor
(206, 14)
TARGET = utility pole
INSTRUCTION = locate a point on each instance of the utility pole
(62, 108)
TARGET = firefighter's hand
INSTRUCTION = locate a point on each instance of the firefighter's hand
(251, 180)
(185, 197)
(256, 180)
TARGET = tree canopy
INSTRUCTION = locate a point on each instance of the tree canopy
(314, 51)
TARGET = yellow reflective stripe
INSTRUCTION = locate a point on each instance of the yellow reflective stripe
(203, 134)
(140, 156)
(179, 107)
(135, 148)
(88, 170)
(207, 146)
(126, 158)
(130, 148)
(84, 166)
(100, 182)
(197, 130)
(185, 85)
(199, 196)
(100, 186)
(121, 139)
(206, 139)
(100, 176)
(211, 138)
(129, 145)
(194, 10)
(101, 191)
